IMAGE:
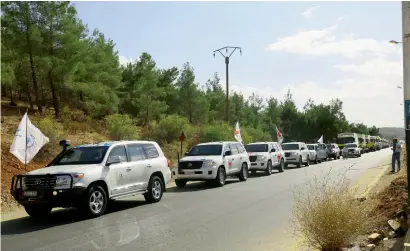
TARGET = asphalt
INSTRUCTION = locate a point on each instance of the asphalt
(241, 216)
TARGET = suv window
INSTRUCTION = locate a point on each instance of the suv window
(150, 151)
(234, 150)
(136, 152)
(119, 151)
(275, 146)
(240, 148)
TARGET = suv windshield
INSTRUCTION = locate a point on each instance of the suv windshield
(345, 140)
(205, 150)
(82, 156)
(290, 147)
(311, 147)
(256, 148)
(350, 145)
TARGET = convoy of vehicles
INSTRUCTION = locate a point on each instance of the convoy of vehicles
(89, 176)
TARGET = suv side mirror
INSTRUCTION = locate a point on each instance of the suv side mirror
(186, 153)
(272, 151)
(227, 153)
(113, 160)
(302, 148)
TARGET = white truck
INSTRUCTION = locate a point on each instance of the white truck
(346, 138)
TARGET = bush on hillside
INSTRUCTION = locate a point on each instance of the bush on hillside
(327, 216)
(218, 131)
(250, 134)
(55, 132)
(168, 129)
(122, 127)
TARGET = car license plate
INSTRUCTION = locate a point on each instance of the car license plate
(30, 193)
(189, 172)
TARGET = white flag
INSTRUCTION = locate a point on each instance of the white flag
(279, 136)
(320, 140)
(237, 133)
(28, 140)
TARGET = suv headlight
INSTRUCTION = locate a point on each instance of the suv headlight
(64, 181)
(260, 157)
(208, 163)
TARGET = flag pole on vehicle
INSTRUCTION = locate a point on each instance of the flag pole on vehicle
(25, 149)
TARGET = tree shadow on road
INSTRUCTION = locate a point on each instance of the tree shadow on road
(59, 217)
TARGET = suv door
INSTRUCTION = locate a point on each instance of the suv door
(228, 160)
(275, 154)
(236, 162)
(243, 155)
(305, 153)
(138, 162)
(153, 162)
(117, 173)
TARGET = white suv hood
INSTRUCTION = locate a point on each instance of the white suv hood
(200, 158)
(63, 169)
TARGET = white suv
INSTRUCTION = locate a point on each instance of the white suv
(296, 153)
(213, 162)
(87, 176)
(265, 156)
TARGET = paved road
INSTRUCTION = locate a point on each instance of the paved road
(241, 216)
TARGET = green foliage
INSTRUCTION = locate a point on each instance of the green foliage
(52, 129)
(122, 127)
(50, 58)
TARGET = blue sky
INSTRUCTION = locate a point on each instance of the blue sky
(339, 50)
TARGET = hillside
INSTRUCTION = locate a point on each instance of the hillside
(391, 132)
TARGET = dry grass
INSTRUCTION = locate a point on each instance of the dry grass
(326, 214)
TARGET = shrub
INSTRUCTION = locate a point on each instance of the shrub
(168, 129)
(250, 134)
(219, 131)
(121, 127)
(55, 132)
(327, 216)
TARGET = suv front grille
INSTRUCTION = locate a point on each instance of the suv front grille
(253, 158)
(287, 154)
(43, 181)
(191, 164)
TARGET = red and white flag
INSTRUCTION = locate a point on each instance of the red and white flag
(279, 136)
(237, 133)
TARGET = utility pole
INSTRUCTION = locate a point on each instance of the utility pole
(406, 84)
(227, 55)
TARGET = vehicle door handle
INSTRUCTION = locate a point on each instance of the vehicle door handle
(128, 169)
(241, 157)
(149, 165)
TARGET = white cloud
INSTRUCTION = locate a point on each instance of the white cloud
(124, 60)
(325, 42)
(309, 12)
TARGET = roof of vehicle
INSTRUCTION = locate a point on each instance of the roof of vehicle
(293, 143)
(110, 143)
(218, 142)
(258, 143)
(312, 144)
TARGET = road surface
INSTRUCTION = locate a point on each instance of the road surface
(241, 216)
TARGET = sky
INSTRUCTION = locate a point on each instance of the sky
(317, 50)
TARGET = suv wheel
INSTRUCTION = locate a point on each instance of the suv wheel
(155, 190)
(307, 161)
(180, 183)
(220, 177)
(282, 166)
(338, 156)
(299, 164)
(268, 169)
(316, 160)
(37, 211)
(243, 175)
(96, 201)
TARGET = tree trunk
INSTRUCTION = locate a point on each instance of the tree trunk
(56, 104)
(29, 96)
(3, 91)
(33, 71)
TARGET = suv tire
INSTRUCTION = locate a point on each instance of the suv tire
(299, 164)
(96, 201)
(307, 161)
(282, 166)
(243, 175)
(155, 190)
(180, 183)
(220, 178)
(268, 170)
(38, 211)
(316, 160)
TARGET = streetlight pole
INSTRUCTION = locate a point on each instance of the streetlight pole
(227, 55)
(406, 84)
